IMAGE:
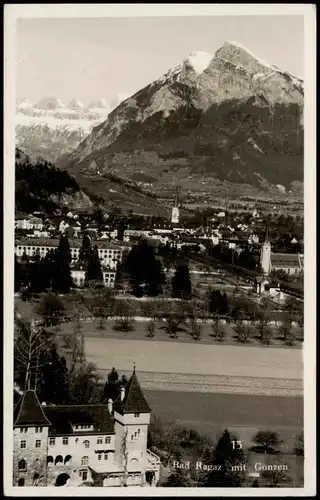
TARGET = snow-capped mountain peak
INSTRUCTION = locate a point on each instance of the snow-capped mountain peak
(198, 61)
(241, 48)
(99, 104)
(76, 104)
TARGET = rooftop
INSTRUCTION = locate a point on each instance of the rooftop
(74, 243)
(28, 411)
(134, 400)
(62, 417)
(285, 260)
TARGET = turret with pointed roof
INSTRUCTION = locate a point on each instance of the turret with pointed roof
(134, 400)
(28, 411)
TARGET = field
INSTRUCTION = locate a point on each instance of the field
(195, 367)
(242, 414)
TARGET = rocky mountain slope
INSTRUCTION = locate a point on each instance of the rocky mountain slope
(231, 117)
(42, 187)
(51, 129)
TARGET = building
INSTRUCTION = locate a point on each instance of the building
(95, 445)
(175, 211)
(78, 272)
(30, 223)
(289, 263)
(109, 253)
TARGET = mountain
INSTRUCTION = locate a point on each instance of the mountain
(51, 129)
(226, 118)
(39, 186)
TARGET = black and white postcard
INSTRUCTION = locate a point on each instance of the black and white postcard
(159, 250)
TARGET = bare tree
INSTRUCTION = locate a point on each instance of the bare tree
(30, 350)
(150, 329)
(264, 319)
(174, 317)
(218, 329)
(244, 332)
(124, 316)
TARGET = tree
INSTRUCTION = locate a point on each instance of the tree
(230, 458)
(275, 478)
(267, 441)
(30, 352)
(151, 328)
(174, 317)
(299, 446)
(51, 309)
(85, 250)
(61, 279)
(181, 283)
(17, 275)
(54, 387)
(218, 329)
(244, 332)
(83, 383)
(120, 231)
(101, 306)
(263, 320)
(113, 385)
(124, 316)
(178, 477)
(94, 272)
(145, 271)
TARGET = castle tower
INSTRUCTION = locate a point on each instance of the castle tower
(131, 420)
(30, 442)
(265, 254)
(175, 210)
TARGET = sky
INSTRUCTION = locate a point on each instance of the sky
(93, 58)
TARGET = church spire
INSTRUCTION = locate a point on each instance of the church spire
(266, 236)
(176, 198)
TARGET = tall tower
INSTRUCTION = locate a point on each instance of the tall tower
(132, 417)
(175, 210)
(30, 442)
(265, 254)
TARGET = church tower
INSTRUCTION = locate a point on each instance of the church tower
(175, 210)
(131, 416)
(265, 254)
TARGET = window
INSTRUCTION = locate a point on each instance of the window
(108, 440)
(38, 443)
(84, 475)
(137, 414)
(86, 444)
(22, 465)
(99, 440)
(99, 456)
(38, 429)
(65, 440)
(52, 441)
(85, 461)
(21, 481)
(23, 444)
(106, 456)
(23, 429)
(132, 437)
(138, 431)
